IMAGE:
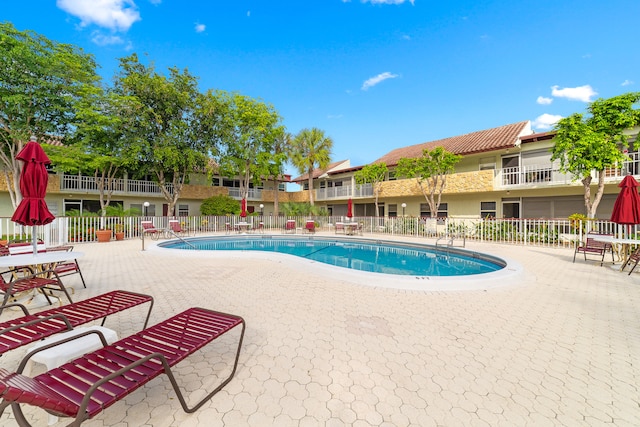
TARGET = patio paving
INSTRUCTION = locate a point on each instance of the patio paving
(558, 346)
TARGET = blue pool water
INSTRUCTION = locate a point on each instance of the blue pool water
(358, 254)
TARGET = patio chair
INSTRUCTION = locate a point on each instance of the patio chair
(30, 328)
(176, 228)
(594, 247)
(633, 258)
(66, 268)
(310, 226)
(150, 229)
(86, 386)
(259, 228)
(290, 226)
(340, 228)
(43, 281)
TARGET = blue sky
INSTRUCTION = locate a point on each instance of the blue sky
(373, 74)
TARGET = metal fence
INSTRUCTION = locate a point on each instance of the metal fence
(534, 232)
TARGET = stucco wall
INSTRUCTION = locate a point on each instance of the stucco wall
(466, 182)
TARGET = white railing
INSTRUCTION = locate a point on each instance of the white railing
(535, 232)
(252, 194)
(73, 183)
(345, 191)
(535, 175)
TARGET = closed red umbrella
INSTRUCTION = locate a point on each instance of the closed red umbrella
(626, 209)
(33, 210)
(350, 209)
(243, 208)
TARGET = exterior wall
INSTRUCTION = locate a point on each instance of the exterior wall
(466, 182)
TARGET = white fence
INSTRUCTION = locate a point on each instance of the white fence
(535, 232)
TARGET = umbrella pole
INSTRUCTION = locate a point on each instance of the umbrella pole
(34, 240)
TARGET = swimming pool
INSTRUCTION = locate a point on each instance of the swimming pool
(384, 257)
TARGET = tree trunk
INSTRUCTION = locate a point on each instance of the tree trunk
(311, 187)
(276, 208)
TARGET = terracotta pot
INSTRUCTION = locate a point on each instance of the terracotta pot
(103, 235)
(119, 235)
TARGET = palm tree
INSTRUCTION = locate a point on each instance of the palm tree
(282, 145)
(311, 148)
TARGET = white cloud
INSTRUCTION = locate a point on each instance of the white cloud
(580, 93)
(200, 28)
(545, 121)
(103, 40)
(371, 82)
(117, 15)
(544, 101)
(627, 82)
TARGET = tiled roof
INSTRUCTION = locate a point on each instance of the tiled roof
(318, 172)
(475, 142)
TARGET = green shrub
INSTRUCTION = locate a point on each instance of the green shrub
(220, 205)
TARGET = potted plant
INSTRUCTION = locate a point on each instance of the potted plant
(103, 235)
(118, 230)
(118, 211)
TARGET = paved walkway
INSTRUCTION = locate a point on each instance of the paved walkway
(560, 346)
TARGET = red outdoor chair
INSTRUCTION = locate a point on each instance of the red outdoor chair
(86, 386)
(150, 229)
(176, 228)
(65, 268)
(594, 247)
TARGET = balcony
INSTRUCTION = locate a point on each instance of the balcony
(534, 176)
(87, 184)
(253, 194)
(344, 192)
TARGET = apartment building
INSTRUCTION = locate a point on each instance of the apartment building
(505, 172)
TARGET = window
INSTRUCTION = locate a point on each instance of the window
(183, 210)
(442, 210)
(488, 209)
(424, 210)
(487, 163)
(392, 210)
(392, 176)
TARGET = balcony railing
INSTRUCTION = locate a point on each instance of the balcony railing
(83, 184)
(525, 176)
(253, 194)
(344, 192)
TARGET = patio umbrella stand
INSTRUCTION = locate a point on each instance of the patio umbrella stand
(32, 210)
(626, 210)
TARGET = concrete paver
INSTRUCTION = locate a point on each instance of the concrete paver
(557, 345)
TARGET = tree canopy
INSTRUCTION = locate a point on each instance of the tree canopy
(595, 142)
(169, 129)
(430, 170)
(309, 149)
(248, 131)
(373, 174)
(41, 82)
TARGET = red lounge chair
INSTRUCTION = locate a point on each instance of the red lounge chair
(310, 226)
(594, 247)
(86, 386)
(290, 226)
(149, 228)
(34, 327)
(43, 281)
(176, 228)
